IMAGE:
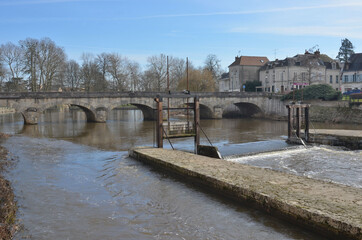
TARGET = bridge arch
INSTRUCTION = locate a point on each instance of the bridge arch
(147, 111)
(248, 109)
(206, 112)
(31, 114)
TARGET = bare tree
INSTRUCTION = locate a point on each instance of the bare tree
(30, 51)
(102, 62)
(51, 61)
(118, 71)
(44, 63)
(177, 71)
(135, 76)
(11, 55)
(156, 71)
(90, 73)
(212, 63)
(2, 75)
(73, 75)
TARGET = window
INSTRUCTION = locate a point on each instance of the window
(336, 78)
(345, 78)
(330, 79)
(354, 77)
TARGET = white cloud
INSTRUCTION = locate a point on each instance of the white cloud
(33, 2)
(248, 12)
(330, 31)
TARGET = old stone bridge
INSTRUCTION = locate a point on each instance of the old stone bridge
(97, 105)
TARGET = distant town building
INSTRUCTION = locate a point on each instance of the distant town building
(224, 83)
(242, 70)
(352, 73)
(300, 71)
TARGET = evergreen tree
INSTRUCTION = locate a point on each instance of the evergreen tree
(345, 51)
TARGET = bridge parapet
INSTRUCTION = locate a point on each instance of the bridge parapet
(97, 105)
(42, 95)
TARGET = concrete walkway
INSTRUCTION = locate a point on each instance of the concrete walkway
(332, 209)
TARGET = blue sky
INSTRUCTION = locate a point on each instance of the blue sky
(189, 28)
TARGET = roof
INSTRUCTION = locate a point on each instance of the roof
(249, 61)
(303, 60)
(225, 75)
(354, 63)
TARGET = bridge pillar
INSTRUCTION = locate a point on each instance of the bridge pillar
(217, 112)
(31, 116)
(101, 115)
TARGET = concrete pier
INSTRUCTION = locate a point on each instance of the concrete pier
(351, 139)
(331, 209)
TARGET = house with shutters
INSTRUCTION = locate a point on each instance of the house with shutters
(300, 71)
(352, 73)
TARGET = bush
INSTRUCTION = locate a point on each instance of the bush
(251, 86)
(320, 91)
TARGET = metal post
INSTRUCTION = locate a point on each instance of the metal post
(159, 131)
(197, 122)
(306, 115)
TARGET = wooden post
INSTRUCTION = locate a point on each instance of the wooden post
(159, 130)
(197, 122)
(290, 122)
(306, 116)
(298, 121)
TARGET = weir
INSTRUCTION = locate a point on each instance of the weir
(331, 209)
(299, 131)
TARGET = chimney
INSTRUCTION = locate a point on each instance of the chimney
(317, 53)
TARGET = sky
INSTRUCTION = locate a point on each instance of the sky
(139, 29)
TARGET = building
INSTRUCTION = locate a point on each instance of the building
(300, 71)
(242, 70)
(352, 73)
(224, 83)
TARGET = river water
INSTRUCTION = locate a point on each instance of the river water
(74, 180)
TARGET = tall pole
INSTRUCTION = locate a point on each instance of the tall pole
(159, 130)
(197, 122)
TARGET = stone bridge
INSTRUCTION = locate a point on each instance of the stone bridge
(96, 105)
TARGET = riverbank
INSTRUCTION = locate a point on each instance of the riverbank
(7, 203)
(331, 209)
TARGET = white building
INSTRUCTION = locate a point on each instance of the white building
(300, 71)
(352, 73)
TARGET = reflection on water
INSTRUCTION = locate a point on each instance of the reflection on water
(73, 180)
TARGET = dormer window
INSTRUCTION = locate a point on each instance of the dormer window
(333, 65)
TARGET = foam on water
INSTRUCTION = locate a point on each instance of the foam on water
(320, 162)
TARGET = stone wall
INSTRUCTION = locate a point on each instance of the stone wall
(336, 112)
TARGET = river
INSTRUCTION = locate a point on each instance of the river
(74, 180)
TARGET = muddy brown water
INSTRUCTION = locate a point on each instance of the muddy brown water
(74, 180)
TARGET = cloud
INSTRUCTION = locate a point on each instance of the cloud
(273, 10)
(34, 2)
(329, 31)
